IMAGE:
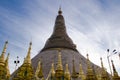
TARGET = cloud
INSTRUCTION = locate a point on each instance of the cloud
(93, 25)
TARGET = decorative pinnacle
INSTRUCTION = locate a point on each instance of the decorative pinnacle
(88, 62)
(81, 73)
(28, 59)
(101, 62)
(87, 56)
(66, 67)
(67, 73)
(6, 42)
(7, 65)
(29, 47)
(112, 61)
(40, 73)
(114, 69)
(113, 66)
(7, 59)
(73, 63)
(5, 46)
(8, 55)
(30, 43)
(4, 50)
(52, 68)
(60, 12)
(59, 65)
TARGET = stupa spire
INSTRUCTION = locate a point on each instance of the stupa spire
(59, 68)
(59, 38)
(39, 71)
(67, 73)
(59, 64)
(52, 70)
(115, 74)
(73, 64)
(104, 74)
(74, 73)
(90, 75)
(25, 72)
(28, 57)
(2, 57)
(102, 63)
(51, 75)
(81, 73)
(88, 62)
(7, 67)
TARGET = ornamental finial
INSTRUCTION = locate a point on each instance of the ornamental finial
(60, 12)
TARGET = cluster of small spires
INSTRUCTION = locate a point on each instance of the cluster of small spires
(25, 72)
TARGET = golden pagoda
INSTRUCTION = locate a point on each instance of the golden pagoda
(58, 44)
(25, 72)
(60, 40)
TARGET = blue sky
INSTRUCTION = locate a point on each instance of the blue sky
(93, 25)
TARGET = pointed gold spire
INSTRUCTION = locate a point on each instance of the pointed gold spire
(74, 64)
(59, 68)
(28, 58)
(104, 74)
(37, 69)
(39, 72)
(90, 75)
(51, 75)
(59, 64)
(74, 73)
(67, 73)
(115, 74)
(2, 57)
(103, 69)
(81, 70)
(102, 63)
(52, 70)
(25, 71)
(88, 62)
(81, 73)
(66, 69)
(7, 67)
